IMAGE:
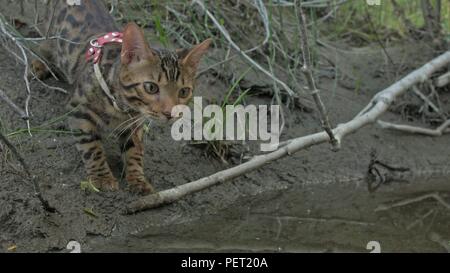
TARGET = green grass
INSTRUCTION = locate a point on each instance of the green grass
(179, 23)
(175, 20)
(220, 149)
(226, 101)
(45, 127)
(353, 17)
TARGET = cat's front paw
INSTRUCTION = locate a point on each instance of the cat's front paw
(105, 184)
(140, 185)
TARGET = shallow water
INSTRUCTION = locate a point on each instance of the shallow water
(303, 219)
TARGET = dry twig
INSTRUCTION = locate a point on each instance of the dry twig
(7, 34)
(409, 201)
(32, 178)
(16, 108)
(443, 80)
(443, 129)
(307, 71)
(24, 59)
(427, 100)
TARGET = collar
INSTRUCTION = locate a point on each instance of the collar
(94, 54)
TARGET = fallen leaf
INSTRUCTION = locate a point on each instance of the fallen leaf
(90, 212)
(12, 248)
(87, 185)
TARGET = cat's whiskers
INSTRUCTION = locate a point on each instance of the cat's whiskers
(142, 121)
(124, 122)
(125, 126)
(130, 125)
(121, 125)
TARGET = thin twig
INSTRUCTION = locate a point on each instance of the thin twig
(37, 189)
(39, 39)
(18, 40)
(427, 100)
(439, 131)
(56, 88)
(50, 25)
(25, 72)
(442, 80)
(265, 19)
(438, 100)
(307, 71)
(16, 108)
(409, 201)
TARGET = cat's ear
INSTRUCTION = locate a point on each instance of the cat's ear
(134, 46)
(191, 58)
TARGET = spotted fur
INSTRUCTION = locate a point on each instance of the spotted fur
(133, 72)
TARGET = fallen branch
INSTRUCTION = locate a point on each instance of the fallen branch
(426, 100)
(443, 129)
(37, 190)
(307, 71)
(443, 80)
(377, 106)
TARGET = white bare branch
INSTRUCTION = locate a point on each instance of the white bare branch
(443, 80)
(443, 129)
(426, 99)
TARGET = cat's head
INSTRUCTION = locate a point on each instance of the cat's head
(153, 81)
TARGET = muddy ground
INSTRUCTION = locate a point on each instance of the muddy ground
(316, 200)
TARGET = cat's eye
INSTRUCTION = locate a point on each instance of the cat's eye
(184, 92)
(151, 87)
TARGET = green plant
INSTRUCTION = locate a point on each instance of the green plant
(220, 148)
(44, 128)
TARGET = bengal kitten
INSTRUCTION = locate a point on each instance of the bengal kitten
(146, 82)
